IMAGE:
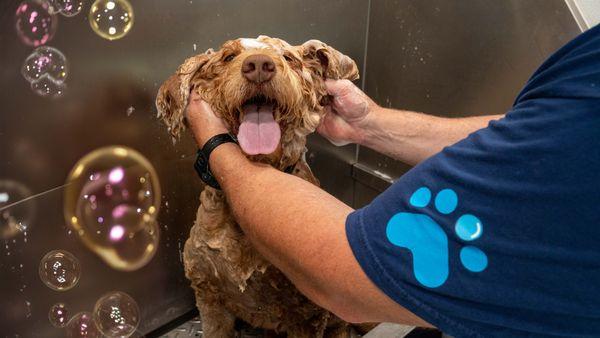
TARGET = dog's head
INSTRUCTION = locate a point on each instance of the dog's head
(269, 93)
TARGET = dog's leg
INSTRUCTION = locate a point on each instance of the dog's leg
(217, 322)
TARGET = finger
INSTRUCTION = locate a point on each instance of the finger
(198, 106)
(206, 108)
(338, 87)
(194, 96)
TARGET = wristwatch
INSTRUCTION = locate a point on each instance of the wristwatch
(201, 164)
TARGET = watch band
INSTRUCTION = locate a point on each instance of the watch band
(203, 155)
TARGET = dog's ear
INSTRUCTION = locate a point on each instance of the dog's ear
(327, 61)
(173, 94)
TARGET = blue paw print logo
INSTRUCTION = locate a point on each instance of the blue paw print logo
(428, 243)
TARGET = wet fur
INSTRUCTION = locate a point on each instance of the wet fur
(230, 278)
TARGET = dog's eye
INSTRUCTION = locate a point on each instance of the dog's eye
(229, 57)
(288, 58)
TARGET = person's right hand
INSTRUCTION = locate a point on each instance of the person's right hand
(347, 115)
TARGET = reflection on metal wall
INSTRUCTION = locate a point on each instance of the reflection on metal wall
(110, 100)
(455, 58)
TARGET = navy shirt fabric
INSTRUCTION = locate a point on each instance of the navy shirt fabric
(498, 235)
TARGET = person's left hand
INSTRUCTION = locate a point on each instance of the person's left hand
(202, 120)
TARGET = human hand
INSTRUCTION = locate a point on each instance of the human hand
(347, 115)
(203, 121)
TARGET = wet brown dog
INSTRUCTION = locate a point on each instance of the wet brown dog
(271, 96)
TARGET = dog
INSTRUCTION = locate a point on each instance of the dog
(251, 83)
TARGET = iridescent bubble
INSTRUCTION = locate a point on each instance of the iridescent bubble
(45, 61)
(58, 315)
(47, 87)
(116, 314)
(53, 7)
(68, 7)
(34, 22)
(16, 212)
(59, 270)
(111, 19)
(82, 326)
(112, 200)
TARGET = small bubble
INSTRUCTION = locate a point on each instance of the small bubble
(46, 87)
(59, 270)
(82, 325)
(130, 110)
(58, 315)
(45, 61)
(116, 314)
(68, 7)
(103, 18)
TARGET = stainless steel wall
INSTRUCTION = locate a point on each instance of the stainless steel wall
(41, 139)
(452, 58)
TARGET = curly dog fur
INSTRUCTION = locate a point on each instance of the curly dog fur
(230, 278)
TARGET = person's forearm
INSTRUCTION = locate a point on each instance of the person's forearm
(266, 204)
(300, 228)
(412, 137)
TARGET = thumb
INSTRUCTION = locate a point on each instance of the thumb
(338, 87)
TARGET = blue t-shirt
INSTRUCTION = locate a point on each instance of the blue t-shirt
(498, 235)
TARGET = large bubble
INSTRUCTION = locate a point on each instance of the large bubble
(16, 212)
(59, 270)
(82, 326)
(116, 314)
(34, 22)
(58, 315)
(111, 19)
(112, 200)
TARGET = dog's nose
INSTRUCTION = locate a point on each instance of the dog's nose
(258, 68)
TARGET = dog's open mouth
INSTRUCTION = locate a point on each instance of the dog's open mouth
(259, 133)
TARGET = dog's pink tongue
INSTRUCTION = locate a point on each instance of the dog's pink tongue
(259, 133)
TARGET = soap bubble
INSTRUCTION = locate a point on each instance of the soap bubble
(47, 87)
(35, 23)
(111, 19)
(15, 217)
(52, 6)
(116, 314)
(82, 326)
(59, 270)
(45, 61)
(46, 68)
(68, 7)
(112, 199)
(58, 315)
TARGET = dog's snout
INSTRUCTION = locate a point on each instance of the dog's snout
(258, 68)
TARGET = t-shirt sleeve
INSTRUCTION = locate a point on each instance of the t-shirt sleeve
(498, 235)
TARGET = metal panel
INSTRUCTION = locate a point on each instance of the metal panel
(585, 12)
(41, 139)
(457, 58)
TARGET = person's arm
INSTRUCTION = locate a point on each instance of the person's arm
(407, 136)
(297, 227)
